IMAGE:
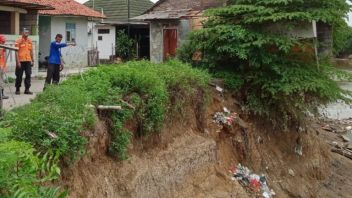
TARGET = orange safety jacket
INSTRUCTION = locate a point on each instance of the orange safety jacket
(2, 58)
(25, 47)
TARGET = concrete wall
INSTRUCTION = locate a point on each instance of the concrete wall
(106, 46)
(30, 21)
(157, 38)
(45, 36)
(73, 56)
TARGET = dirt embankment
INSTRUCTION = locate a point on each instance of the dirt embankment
(186, 161)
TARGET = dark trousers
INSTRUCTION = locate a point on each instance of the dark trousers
(53, 74)
(26, 67)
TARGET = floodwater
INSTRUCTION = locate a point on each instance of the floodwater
(339, 110)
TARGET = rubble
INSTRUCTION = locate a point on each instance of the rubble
(345, 138)
(252, 181)
(291, 172)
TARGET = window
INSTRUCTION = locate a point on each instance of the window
(103, 31)
(100, 38)
(70, 32)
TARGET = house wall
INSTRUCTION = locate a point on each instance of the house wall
(106, 42)
(73, 56)
(44, 36)
(157, 38)
(30, 21)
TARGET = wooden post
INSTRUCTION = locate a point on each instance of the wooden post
(15, 23)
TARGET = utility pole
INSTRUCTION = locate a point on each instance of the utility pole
(128, 25)
(129, 16)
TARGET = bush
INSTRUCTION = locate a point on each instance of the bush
(125, 46)
(54, 121)
(276, 74)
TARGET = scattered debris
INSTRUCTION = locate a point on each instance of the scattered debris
(219, 89)
(52, 135)
(128, 105)
(103, 107)
(345, 138)
(291, 172)
(299, 149)
(251, 180)
(222, 119)
(345, 153)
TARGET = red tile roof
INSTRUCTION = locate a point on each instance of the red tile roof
(28, 4)
(68, 7)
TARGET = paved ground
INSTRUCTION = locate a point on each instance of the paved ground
(36, 88)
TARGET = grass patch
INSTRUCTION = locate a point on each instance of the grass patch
(54, 121)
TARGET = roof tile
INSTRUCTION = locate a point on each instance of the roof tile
(68, 7)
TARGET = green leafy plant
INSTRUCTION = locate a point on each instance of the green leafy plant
(275, 73)
(25, 174)
(125, 46)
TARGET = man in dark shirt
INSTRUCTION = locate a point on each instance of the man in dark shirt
(55, 60)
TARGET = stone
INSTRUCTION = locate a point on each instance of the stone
(291, 172)
(345, 138)
(348, 128)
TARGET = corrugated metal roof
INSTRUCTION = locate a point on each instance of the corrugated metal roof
(117, 10)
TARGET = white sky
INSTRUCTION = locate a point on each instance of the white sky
(83, 1)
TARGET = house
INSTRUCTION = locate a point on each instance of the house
(16, 15)
(118, 13)
(171, 21)
(70, 19)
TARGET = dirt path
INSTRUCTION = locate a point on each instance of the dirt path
(20, 100)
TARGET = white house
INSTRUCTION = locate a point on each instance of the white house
(70, 19)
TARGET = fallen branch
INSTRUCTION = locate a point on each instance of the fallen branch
(128, 104)
(102, 107)
(343, 153)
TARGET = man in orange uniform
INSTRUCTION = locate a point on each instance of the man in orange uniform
(2, 66)
(24, 60)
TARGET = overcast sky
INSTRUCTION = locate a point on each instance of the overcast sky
(82, 1)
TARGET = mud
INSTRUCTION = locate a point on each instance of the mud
(186, 161)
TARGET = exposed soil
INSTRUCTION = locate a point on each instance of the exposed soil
(186, 160)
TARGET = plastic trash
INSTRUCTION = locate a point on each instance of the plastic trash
(251, 180)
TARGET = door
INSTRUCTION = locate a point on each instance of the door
(170, 43)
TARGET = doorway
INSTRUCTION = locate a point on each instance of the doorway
(170, 43)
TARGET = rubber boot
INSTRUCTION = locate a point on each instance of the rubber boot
(27, 92)
(17, 91)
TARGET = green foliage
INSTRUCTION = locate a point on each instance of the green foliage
(125, 46)
(24, 174)
(62, 111)
(273, 80)
(342, 39)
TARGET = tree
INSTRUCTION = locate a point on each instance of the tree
(280, 79)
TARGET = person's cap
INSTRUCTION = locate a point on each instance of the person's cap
(2, 38)
(25, 30)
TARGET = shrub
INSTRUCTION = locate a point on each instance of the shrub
(276, 74)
